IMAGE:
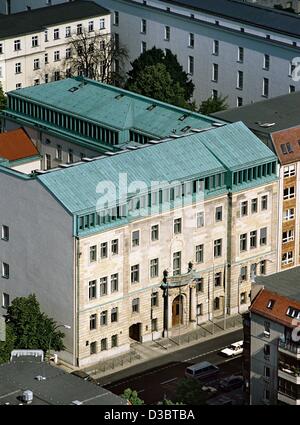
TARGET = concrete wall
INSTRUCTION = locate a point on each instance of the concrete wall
(28, 167)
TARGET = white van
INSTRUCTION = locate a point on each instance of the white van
(201, 370)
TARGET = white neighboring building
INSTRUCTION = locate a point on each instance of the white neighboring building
(15, 6)
(34, 44)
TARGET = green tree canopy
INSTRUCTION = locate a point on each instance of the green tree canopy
(211, 105)
(2, 98)
(156, 56)
(155, 81)
(8, 345)
(188, 391)
(132, 397)
(29, 328)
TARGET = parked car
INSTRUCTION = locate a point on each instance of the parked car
(231, 383)
(201, 370)
(233, 350)
(83, 375)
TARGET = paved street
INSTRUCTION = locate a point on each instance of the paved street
(157, 379)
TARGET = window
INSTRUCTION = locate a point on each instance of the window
(116, 18)
(48, 161)
(56, 34)
(218, 279)
(214, 94)
(267, 328)
(36, 82)
(265, 90)
(1, 49)
(266, 62)
(56, 55)
(59, 152)
(103, 286)
(289, 171)
(240, 80)
(167, 33)
(154, 299)
(254, 206)
(177, 226)
(191, 65)
(154, 268)
(92, 289)
(215, 72)
(68, 53)
(68, 32)
(288, 236)
(79, 29)
(5, 233)
(239, 102)
(253, 239)
(17, 45)
(243, 298)
(244, 273)
(114, 282)
(243, 242)
(135, 305)
(93, 253)
(90, 27)
(154, 325)
(218, 248)
(18, 68)
(103, 250)
(155, 232)
(267, 347)
(143, 46)
(218, 214)
(34, 41)
(240, 54)
(5, 300)
(287, 258)
(199, 309)
(244, 208)
(103, 344)
(263, 236)
(289, 193)
(135, 273)
(200, 284)
(115, 246)
(143, 26)
(36, 64)
(56, 75)
(217, 303)
(264, 202)
(200, 219)
(289, 214)
(200, 253)
(135, 238)
(114, 341)
(102, 23)
(103, 318)
(46, 58)
(18, 86)
(114, 315)
(191, 40)
(93, 348)
(5, 270)
(93, 322)
(215, 47)
(292, 89)
(177, 263)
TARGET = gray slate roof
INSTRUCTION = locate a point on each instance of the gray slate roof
(286, 283)
(37, 19)
(275, 20)
(60, 388)
(281, 110)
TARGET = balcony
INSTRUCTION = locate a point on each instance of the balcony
(290, 348)
(287, 399)
(289, 373)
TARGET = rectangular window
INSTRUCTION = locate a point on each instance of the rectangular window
(167, 33)
(253, 239)
(266, 62)
(56, 56)
(262, 267)
(200, 219)
(103, 286)
(191, 65)
(1, 49)
(5, 270)
(93, 253)
(34, 41)
(143, 46)
(177, 226)
(267, 347)
(93, 348)
(154, 268)
(241, 54)
(243, 298)
(103, 344)
(135, 273)
(263, 236)
(215, 47)
(244, 273)
(154, 325)
(254, 206)
(288, 236)
(103, 318)
(200, 253)
(289, 171)
(17, 45)
(154, 299)
(92, 289)
(177, 263)
(135, 305)
(265, 90)
(215, 72)
(68, 32)
(116, 18)
(5, 233)
(191, 40)
(102, 24)
(103, 250)
(135, 238)
(289, 214)
(93, 322)
(243, 242)
(114, 282)
(240, 80)
(115, 246)
(199, 309)
(218, 248)
(155, 233)
(239, 101)
(264, 202)
(114, 341)
(244, 208)
(200, 284)
(56, 34)
(79, 29)
(292, 89)
(18, 68)
(218, 214)
(114, 315)
(143, 26)
(5, 300)
(218, 279)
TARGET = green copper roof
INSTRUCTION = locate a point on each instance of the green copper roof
(114, 107)
(176, 159)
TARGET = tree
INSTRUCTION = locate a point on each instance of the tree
(213, 104)
(188, 391)
(2, 98)
(98, 56)
(8, 345)
(156, 56)
(155, 81)
(132, 397)
(31, 328)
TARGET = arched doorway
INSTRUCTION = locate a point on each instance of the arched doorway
(135, 331)
(177, 311)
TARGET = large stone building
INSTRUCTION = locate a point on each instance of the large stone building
(186, 222)
(35, 44)
(274, 339)
(229, 48)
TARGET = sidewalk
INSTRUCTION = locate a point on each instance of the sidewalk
(141, 353)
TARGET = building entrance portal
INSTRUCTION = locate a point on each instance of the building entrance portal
(177, 311)
(135, 332)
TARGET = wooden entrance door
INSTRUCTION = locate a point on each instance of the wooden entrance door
(177, 311)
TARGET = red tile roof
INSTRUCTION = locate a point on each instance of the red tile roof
(279, 310)
(291, 136)
(16, 144)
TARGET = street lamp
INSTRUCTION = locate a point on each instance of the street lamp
(54, 329)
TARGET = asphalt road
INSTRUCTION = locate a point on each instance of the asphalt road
(157, 379)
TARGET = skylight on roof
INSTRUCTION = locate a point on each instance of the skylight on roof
(151, 107)
(271, 304)
(185, 129)
(293, 312)
(119, 96)
(73, 89)
(283, 149)
(183, 117)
